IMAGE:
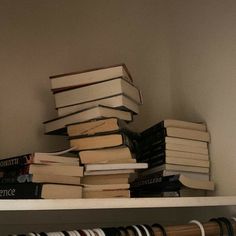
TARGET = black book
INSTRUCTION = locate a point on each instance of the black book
(39, 190)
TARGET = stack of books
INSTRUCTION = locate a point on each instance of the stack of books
(40, 175)
(178, 158)
(94, 108)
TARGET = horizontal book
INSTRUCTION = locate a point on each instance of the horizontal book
(58, 125)
(200, 126)
(162, 154)
(102, 187)
(183, 192)
(106, 179)
(97, 91)
(37, 158)
(85, 77)
(120, 193)
(41, 178)
(96, 126)
(120, 166)
(117, 101)
(195, 175)
(105, 155)
(108, 172)
(45, 169)
(159, 134)
(186, 161)
(185, 142)
(39, 190)
(162, 183)
(101, 141)
(173, 167)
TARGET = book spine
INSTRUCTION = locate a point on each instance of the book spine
(156, 181)
(16, 161)
(11, 179)
(153, 128)
(20, 191)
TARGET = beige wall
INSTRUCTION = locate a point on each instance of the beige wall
(43, 38)
(203, 70)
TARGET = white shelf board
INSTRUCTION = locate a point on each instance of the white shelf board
(118, 203)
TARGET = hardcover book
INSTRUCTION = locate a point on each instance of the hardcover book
(86, 77)
(97, 91)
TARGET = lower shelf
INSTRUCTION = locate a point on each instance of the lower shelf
(118, 203)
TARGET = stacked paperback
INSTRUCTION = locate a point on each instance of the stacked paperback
(178, 158)
(40, 175)
(94, 108)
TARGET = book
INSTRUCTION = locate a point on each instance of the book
(120, 193)
(39, 190)
(117, 101)
(203, 136)
(185, 142)
(155, 182)
(58, 125)
(44, 169)
(173, 167)
(106, 179)
(115, 166)
(41, 178)
(95, 126)
(85, 77)
(37, 158)
(195, 175)
(97, 91)
(101, 141)
(105, 155)
(108, 172)
(199, 126)
(101, 187)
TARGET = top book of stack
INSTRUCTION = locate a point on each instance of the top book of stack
(82, 78)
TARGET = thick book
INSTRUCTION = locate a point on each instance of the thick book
(118, 193)
(40, 178)
(157, 182)
(85, 77)
(99, 141)
(106, 155)
(106, 179)
(96, 126)
(58, 125)
(36, 158)
(44, 169)
(115, 166)
(97, 91)
(117, 101)
(39, 190)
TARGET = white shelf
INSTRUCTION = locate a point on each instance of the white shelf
(121, 203)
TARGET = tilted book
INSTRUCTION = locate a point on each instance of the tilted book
(81, 78)
(98, 91)
(120, 101)
(58, 125)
